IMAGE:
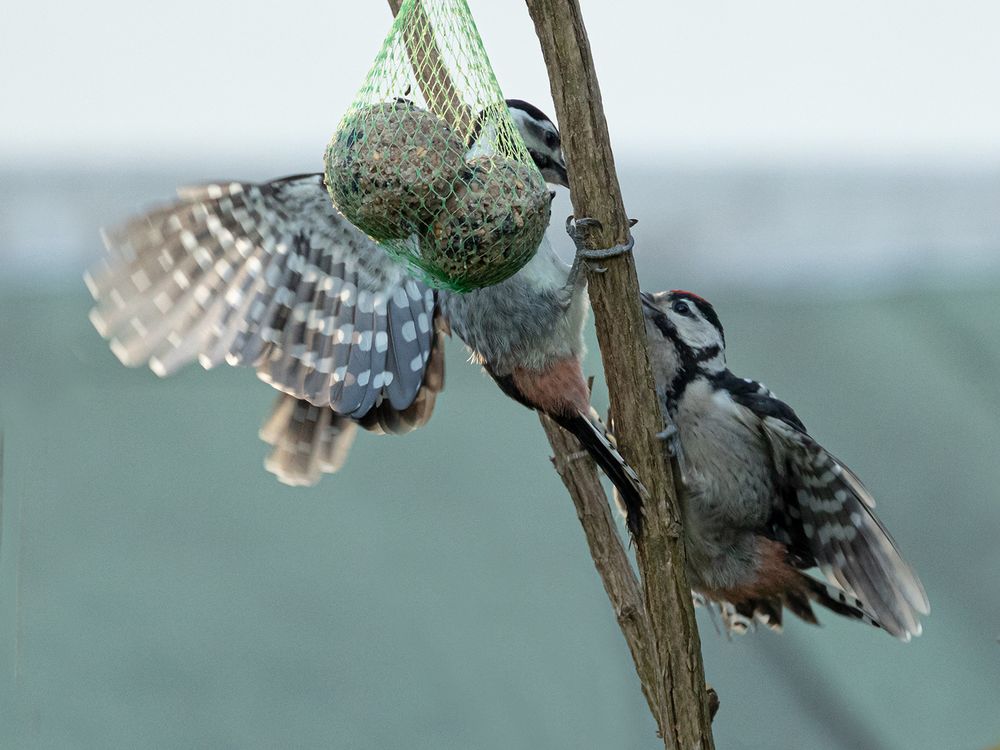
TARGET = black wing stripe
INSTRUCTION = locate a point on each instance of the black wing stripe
(406, 351)
(835, 521)
(268, 276)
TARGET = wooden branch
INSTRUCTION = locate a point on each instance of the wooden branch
(433, 77)
(614, 295)
(579, 473)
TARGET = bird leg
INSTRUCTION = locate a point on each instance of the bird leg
(577, 229)
(672, 441)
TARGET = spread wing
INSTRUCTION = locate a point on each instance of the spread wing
(825, 516)
(270, 276)
(308, 441)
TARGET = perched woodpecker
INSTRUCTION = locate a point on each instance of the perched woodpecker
(271, 276)
(762, 500)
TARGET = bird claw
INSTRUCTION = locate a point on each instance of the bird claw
(672, 444)
(586, 223)
(669, 436)
(574, 225)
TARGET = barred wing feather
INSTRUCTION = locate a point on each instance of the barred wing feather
(269, 276)
(832, 513)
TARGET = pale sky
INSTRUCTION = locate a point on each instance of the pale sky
(157, 83)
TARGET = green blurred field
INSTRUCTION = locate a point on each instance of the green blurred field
(158, 589)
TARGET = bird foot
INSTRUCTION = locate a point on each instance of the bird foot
(670, 438)
(578, 229)
(672, 443)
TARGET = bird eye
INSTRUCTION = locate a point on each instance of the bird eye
(681, 307)
(551, 139)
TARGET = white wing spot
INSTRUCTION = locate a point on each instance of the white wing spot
(365, 303)
(141, 280)
(243, 247)
(343, 334)
(409, 331)
(224, 269)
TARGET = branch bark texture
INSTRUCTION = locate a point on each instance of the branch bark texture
(684, 715)
(579, 473)
(656, 618)
(430, 70)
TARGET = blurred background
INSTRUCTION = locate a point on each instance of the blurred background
(827, 175)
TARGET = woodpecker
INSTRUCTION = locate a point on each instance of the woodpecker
(762, 500)
(271, 276)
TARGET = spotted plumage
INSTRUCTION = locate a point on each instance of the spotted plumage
(271, 276)
(763, 501)
(268, 276)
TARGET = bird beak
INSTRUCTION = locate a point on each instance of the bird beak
(557, 174)
(648, 302)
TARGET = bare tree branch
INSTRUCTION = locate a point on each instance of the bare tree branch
(579, 473)
(658, 619)
(685, 714)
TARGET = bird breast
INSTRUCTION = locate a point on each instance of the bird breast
(727, 461)
(532, 320)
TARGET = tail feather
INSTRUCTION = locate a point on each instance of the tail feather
(799, 601)
(307, 441)
(839, 601)
(596, 442)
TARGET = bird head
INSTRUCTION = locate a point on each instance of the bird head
(542, 139)
(683, 330)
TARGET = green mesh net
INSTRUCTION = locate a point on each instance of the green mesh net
(427, 160)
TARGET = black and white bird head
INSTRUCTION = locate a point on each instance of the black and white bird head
(684, 331)
(542, 139)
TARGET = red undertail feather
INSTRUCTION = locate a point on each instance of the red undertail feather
(558, 389)
(780, 585)
(561, 392)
